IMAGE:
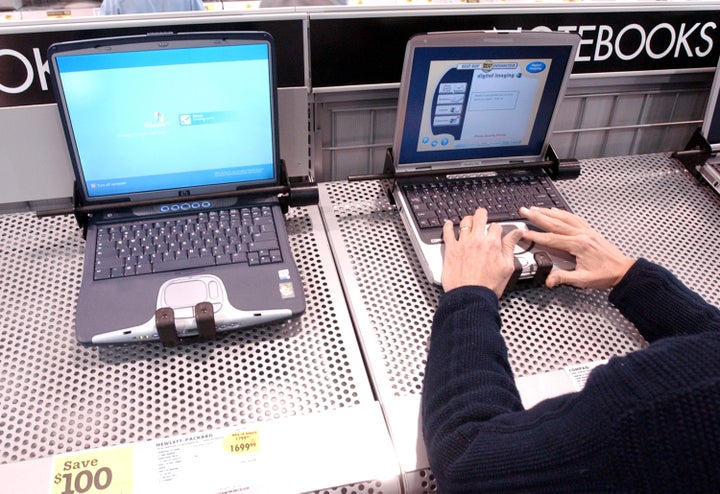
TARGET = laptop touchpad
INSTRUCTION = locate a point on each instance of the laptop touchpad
(185, 293)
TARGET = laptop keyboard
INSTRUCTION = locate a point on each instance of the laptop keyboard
(502, 196)
(234, 236)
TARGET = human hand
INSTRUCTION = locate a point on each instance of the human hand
(599, 263)
(477, 257)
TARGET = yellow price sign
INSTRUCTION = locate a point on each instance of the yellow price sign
(242, 442)
(107, 471)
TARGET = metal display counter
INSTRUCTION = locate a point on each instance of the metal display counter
(300, 385)
(648, 205)
(329, 415)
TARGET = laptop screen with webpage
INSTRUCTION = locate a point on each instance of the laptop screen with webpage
(484, 98)
(197, 119)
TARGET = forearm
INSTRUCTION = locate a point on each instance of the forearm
(660, 305)
(468, 378)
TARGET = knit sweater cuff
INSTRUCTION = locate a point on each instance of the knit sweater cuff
(659, 304)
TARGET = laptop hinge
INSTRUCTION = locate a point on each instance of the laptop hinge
(696, 153)
(291, 192)
(556, 168)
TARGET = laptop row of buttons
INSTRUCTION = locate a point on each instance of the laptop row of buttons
(204, 239)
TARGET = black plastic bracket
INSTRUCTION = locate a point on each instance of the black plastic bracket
(204, 318)
(81, 217)
(388, 166)
(544, 266)
(696, 153)
(389, 171)
(518, 268)
(561, 169)
(165, 325)
(301, 191)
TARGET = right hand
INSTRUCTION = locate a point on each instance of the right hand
(599, 263)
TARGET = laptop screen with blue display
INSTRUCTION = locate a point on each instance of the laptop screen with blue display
(148, 122)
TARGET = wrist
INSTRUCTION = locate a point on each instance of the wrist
(623, 267)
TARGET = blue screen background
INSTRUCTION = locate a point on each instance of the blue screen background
(423, 57)
(171, 118)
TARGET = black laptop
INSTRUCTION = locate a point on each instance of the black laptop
(475, 114)
(174, 143)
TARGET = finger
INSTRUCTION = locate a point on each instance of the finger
(559, 277)
(510, 240)
(449, 233)
(545, 218)
(548, 239)
(480, 219)
(556, 213)
(494, 232)
(555, 278)
(553, 220)
(466, 225)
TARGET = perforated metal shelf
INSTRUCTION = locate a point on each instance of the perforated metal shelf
(58, 396)
(648, 205)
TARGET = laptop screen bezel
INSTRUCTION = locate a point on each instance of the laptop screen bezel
(511, 45)
(711, 120)
(165, 41)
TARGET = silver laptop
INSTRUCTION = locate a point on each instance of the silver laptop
(174, 143)
(710, 171)
(475, 114)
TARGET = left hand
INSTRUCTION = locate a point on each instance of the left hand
(477, 257)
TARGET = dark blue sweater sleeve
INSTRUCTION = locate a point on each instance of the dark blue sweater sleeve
(473, 381)
(479, 438)
(468, 378)
(660, 305)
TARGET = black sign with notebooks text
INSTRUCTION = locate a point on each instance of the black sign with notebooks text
(370, 50)
(359, 50)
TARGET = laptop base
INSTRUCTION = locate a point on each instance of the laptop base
(532, 264)
(191, 309)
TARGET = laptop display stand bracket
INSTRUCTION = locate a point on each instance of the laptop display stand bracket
(556, 168)
(696, 153)
(561, 169)
(81, 217)
(293, 192)
(301, 191)
(204, 318)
